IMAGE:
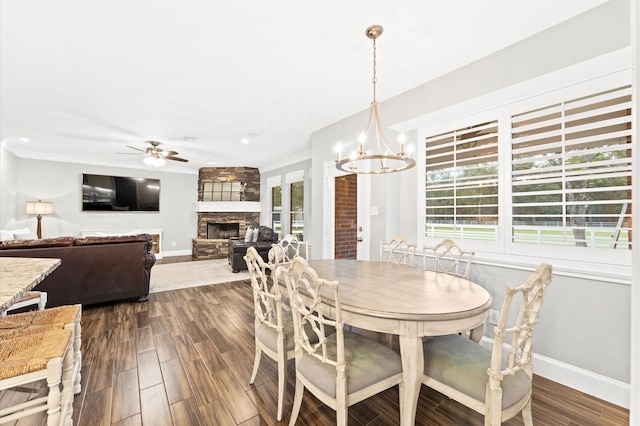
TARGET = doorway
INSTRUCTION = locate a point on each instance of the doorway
(346, 217)
(358, 198)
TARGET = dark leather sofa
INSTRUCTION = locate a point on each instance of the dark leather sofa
(238, 247)
(93, 269)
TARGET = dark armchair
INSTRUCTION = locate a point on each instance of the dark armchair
(238, 247)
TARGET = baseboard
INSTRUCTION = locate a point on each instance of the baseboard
(605, 388)
(166, 253)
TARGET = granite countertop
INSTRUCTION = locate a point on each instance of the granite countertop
(19, 275)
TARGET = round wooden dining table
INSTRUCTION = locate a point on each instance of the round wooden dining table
(408, 302)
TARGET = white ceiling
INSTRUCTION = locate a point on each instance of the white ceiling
(81, 79)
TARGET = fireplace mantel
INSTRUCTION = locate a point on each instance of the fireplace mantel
(227, 206)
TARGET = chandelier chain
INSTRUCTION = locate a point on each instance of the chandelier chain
(374, 80)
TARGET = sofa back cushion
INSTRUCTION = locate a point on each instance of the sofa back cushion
(265, 233)
(45, 242)
(111, 239)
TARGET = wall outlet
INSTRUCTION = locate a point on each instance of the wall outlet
(493, 317)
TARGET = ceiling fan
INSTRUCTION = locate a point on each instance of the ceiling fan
(155, 155)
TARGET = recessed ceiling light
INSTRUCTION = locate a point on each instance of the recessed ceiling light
(24, 139)
(211, 163)
(190, 138)
(244, 141)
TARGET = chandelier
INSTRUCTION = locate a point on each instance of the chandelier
(385, 160)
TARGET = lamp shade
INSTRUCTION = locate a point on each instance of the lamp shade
(39, 207)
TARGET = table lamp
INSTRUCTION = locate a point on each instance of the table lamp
(39, 208)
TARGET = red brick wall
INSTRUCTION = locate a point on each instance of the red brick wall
(346, 217)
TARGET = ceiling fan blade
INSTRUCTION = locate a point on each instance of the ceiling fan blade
(171, 157)
(137, 149)
(168, 153)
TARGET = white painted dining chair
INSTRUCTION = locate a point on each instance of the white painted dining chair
(286, 249)
(341, 368)
(496, 382)
(273, 325)
(398, 251)
(447, 257)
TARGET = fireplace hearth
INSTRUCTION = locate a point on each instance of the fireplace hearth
(222, 231)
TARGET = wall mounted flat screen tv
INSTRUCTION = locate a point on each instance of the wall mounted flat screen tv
(120, 194)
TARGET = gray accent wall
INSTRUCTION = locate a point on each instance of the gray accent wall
(27, 180)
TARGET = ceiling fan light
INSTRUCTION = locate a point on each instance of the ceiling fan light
(149, 161)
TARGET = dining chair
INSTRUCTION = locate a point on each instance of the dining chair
(27, 358)
(60, 317)
(273, 325)
(286, 249)
(447, 257)
(495, 382)
(398, 251)
(341, 368)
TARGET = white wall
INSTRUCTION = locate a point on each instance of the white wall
(61, 183)
(8, 188)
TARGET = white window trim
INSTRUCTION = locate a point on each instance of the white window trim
(274, 181)
(292, 177)
(593, 264)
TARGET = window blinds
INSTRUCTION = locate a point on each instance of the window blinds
(462, 183)
(571, 172)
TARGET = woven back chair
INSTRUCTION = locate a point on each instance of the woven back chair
(32, 357)
(28, 299)
(398, 251)
(61, 317)
(495, 382)
(341, 368)
(447, 257)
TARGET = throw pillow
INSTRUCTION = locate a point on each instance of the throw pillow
(6, 235)
(248, 236)
(9, 234)
(254, 235)
(25, 236)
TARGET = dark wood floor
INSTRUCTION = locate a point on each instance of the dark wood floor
(185, 357)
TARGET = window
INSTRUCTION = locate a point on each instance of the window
(461, 195)
(571, 172)
(276, 209)
(221, 191)
(551, 170)
(297, 209)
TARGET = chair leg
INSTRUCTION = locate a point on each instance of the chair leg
(526, 414)
(54, 376)
(77, 358)
(256, 364)
(297, 402)
(342, 415)
(42, 302)
(282, 381)
(66, 398)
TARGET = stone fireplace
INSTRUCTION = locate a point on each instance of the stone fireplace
(220, 220)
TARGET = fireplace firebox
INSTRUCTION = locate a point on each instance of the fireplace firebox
(222, 231)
